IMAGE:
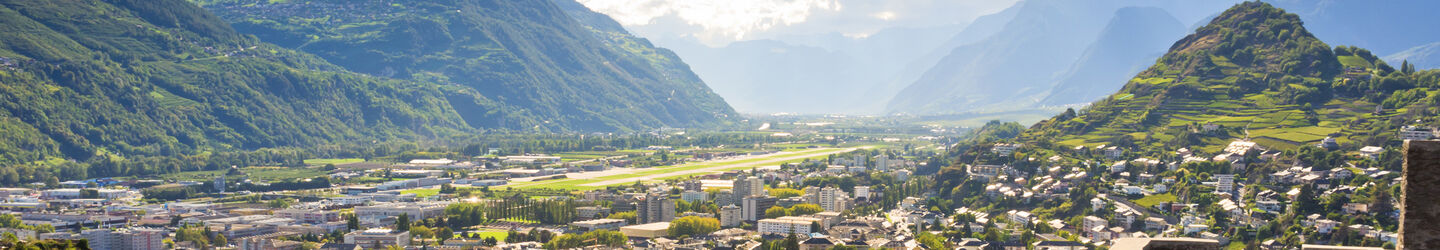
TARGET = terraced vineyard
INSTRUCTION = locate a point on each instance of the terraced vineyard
(1287, 89)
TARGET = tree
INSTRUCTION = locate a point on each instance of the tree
(352, 222)
(423, 232)
(693, 225)
(628, 216)
(445, 234)
(402, 223)
(220, 240)
(805, 209)
(775, 212)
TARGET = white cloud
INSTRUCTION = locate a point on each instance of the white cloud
(719, 20)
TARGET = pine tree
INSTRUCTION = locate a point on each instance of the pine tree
(402, 224)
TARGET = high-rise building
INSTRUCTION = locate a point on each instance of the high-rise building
(754, 207)
(726, 197)
(862, 192)
(749, 186)
(655, 208)
(812, 195)
(693, 196)
(833, 199)
(731, 216)
(124, 239)
(693, 185)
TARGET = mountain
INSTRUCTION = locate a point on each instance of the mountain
(134, 78)
(1385, 27)
(1131, 40)
(1423, 56)
(832, 72)
(1042, 46)
(544, 68)
(1009, 67)
(1254, 72)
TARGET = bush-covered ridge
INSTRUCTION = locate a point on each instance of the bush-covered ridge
(531, 57)
(160, 77)
(1257, 73)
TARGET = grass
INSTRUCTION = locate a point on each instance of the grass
(316, 162)
(577, 184)
(1152, 200)
(499, 235)
(266, 174)
(422, 192)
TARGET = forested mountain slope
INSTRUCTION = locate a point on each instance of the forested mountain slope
(134, 78)
(542, 66)
(1259, 74)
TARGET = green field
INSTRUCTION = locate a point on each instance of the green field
(577, 184)
(499, 235)
(1152, 200)
(265, 174)
(314, 162)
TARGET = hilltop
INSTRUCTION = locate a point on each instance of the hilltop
(1253, 72)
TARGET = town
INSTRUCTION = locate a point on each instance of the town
(786, 196)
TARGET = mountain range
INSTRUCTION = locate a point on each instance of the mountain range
(137, 78)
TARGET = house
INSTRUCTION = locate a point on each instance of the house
(1059, 245)
(1371, 152)
(1155, 224)
(1325, 226)
(1355, 208)
(1416, 133)
(1004, 148)
(1114, 152)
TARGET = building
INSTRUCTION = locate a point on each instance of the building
(655, 208)
(731, 216)
(592, 212)
(599, 224)
(1004, 148)
(1021, 217)
(60, 193)
(902, 175)
(754, 207)
(385, 214)
(833, 199)
(1114, 152)
(1416, 133)
(694, 196)
(378, 237)
(651, 230)
(1225, 183)
(786, 225)
(862, 192)
(1372, 152)
(308, 215)
(125, 239)
(749, 186)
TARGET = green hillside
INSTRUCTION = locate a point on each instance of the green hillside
(1254, 70)
(132, 78)
(532, 57)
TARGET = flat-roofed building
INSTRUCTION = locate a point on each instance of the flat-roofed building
(652, 230)
(378, 237)
(599, 224)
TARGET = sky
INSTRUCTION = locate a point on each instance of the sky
(719, 22)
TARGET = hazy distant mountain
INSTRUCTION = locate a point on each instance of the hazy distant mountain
(1385, 27)
(1135, 37)
(1009, 67)
(825, 73)
(1423, 56)
(1016, 67)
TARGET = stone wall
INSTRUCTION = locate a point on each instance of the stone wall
(1420, 196)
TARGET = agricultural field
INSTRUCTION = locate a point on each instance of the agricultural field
(625, 176)
(318, 162)
(265, 174)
